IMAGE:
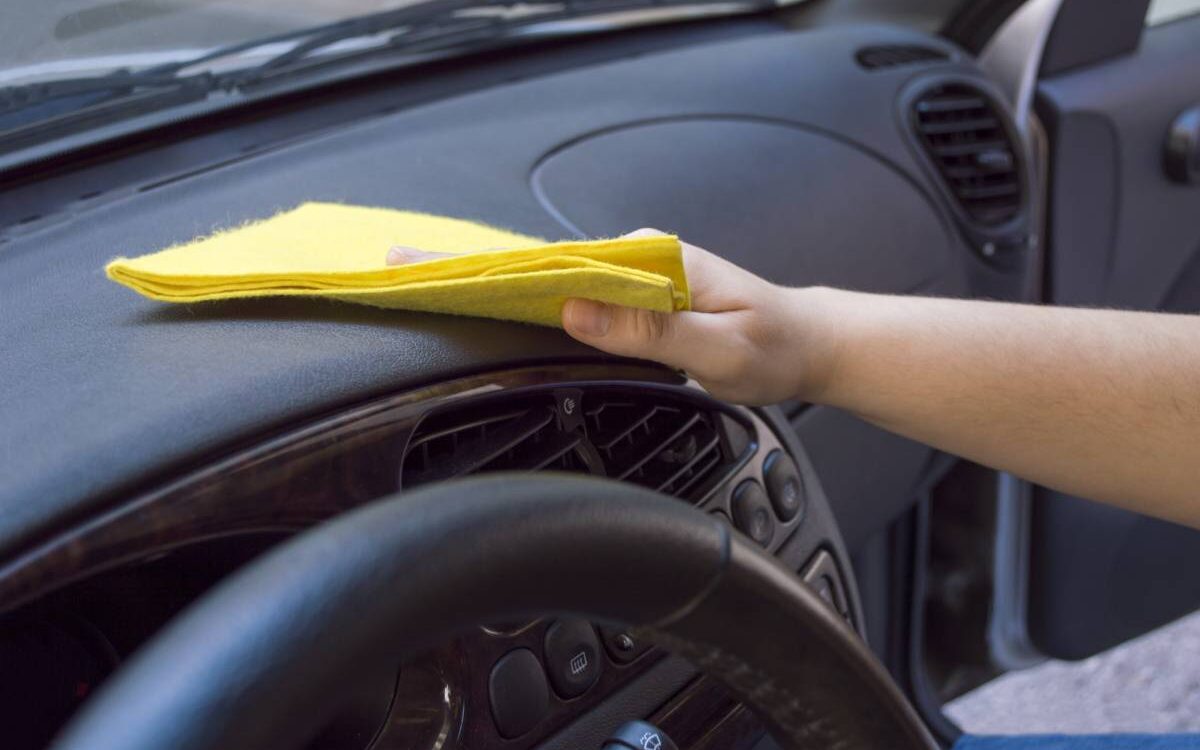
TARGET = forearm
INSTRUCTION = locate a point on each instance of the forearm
(1099, 403)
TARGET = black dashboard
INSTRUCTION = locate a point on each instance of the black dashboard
(148, 451)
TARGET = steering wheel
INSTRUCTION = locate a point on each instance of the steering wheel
(250, 664)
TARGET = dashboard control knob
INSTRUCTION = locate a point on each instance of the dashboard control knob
(784, 486)
(752, 512)
(572, 656)
(621, 646)
(518, 693)
(639, 735)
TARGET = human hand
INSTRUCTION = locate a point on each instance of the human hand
(745, 340)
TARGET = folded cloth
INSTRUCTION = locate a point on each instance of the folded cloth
(338, 251)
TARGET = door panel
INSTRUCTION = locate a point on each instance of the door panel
(1121, 234)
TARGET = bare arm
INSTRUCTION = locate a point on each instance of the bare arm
(1099, 403)
(1103, 404)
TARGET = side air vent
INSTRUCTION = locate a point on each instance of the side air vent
(894, 55)
(962, 131)
(668, 444)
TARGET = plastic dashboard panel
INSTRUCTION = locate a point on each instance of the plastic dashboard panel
(105, 393)
(754, 188)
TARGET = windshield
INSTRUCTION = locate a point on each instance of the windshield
(74, 72)
(42, 39)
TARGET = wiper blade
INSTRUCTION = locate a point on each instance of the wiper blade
(37, 112)
(458, 25)
(118, 82)
(26, 104)
(397, 19)
(412, 29)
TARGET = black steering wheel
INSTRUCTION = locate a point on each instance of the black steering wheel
(250, 665)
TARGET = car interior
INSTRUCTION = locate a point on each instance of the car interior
(299, 523)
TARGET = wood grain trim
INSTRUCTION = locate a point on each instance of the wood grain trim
(286, 483)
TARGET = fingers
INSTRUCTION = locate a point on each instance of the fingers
(719, 342)
(697, 342)
(735, 319)
(401, 255)
(645, 232)
(626, 331)
(690, 341)
(716, 284)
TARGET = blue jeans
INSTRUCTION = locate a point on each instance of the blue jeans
(1081, 742)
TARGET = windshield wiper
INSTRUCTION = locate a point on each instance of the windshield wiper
(39, 112)
(168, 76)
(454, 26)
(398, 20)
(118, 82)
(51, 105)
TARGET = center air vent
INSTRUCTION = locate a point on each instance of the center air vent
(964, 135)
(672, 445)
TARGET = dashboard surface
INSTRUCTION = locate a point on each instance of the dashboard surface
(104, 392)
(148, 450)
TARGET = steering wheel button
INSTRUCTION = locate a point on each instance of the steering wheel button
(572, 657)
(518, 693)
(752, 512)
(784, 486)
(824, 588)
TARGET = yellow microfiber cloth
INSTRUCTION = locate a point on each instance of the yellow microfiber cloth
(339, 251)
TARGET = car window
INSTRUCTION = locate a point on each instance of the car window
(85, 69)
(1162, 11)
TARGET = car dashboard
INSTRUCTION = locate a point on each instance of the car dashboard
(507, 684)
(150, 451)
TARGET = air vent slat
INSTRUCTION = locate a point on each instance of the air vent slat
(638, 463)
(965, 137)
(701, 472)
(536, 455)
(703, 454)
(484, 448)
(959, 126)
(970, 172)
(987, 191)
(950, 104)
(658, 441)
(478, 424)
(607, 442)
(967, 149)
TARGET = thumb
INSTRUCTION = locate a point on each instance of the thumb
(674, 339)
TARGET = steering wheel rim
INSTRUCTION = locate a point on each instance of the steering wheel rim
(248, 664)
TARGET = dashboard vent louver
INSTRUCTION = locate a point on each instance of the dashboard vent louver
(962, 131)
(667, 448)
(666, 444)
(893, 55)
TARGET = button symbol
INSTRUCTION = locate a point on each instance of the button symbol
(651, 741)
(568, 405)
(579, 662)
(791, 493)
